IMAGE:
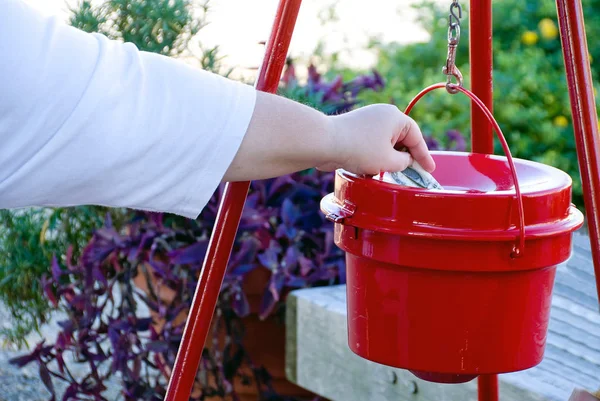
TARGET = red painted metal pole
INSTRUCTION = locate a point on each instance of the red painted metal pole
(228, 218)
(585, 117)
(480, 60)
(487, 388)
(482, 136)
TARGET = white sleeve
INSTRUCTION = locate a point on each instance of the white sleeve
(89, 121)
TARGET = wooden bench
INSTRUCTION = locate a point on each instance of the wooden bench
(318, 357)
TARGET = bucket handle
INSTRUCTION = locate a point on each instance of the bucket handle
(518, 249)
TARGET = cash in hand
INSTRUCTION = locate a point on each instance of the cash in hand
(413, 176)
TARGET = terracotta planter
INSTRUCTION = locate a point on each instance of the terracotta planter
(264, 340)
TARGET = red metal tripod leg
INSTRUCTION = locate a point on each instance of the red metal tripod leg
(487, 388)
(482, 139)
(585, 117)
(480, 60)
(228, 218)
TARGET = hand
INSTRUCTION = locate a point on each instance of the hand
(366, 141)
(285, 136)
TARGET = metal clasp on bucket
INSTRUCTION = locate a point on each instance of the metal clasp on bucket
(338, 212)
(519, 247)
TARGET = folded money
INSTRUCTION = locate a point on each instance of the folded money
(413, 176)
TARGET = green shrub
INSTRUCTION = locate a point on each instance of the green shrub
(166, 27)
(29, 239)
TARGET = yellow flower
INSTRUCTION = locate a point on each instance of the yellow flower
(43, 231)
(561, 121)
(529, 38)
(548, 29)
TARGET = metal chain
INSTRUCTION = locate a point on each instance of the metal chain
(450, 69)
(454, 20)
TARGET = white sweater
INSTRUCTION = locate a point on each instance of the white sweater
(89, 121)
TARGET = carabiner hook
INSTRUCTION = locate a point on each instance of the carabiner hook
(450, 86)
(450, 69)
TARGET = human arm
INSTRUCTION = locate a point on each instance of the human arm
(86, 120)
(285, 136)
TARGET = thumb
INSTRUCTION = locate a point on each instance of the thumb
(397, 161)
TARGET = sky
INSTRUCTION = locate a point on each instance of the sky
(237, 26)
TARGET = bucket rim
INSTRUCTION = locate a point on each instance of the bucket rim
(566, 181)
(572, 222)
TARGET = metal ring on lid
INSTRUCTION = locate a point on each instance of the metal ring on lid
(520, 247)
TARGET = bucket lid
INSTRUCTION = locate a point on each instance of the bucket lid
(478, 201)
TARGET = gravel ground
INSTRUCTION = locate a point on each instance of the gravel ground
(24, 384)
(21, 384)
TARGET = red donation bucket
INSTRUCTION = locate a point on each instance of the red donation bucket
(434, 284)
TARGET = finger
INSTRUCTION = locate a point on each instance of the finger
(397, 161)
(412, 138)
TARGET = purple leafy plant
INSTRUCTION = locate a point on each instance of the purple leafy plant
(331, 97)
(120, 323)
(452, 140)
(106, 333)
